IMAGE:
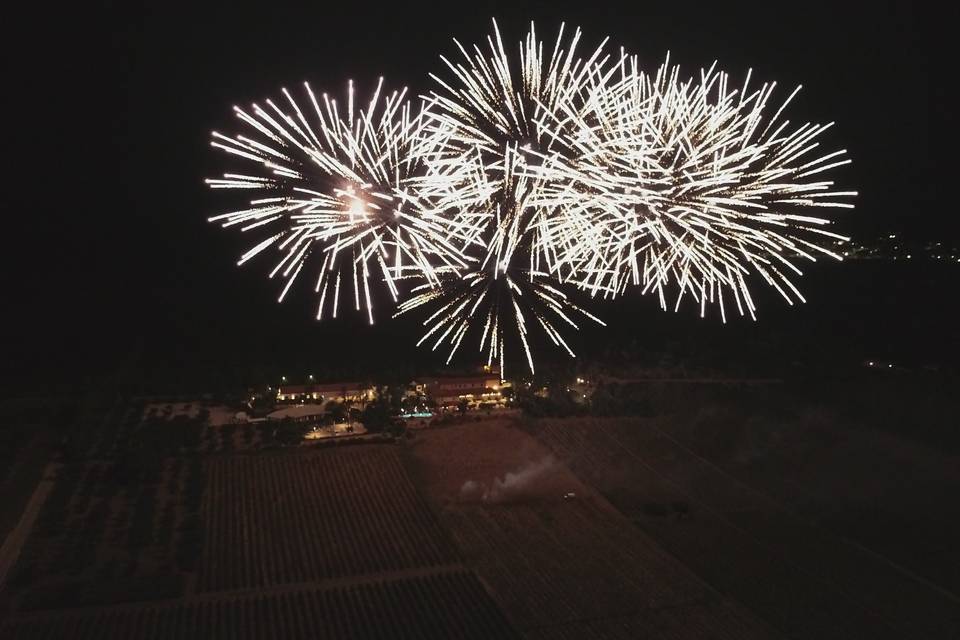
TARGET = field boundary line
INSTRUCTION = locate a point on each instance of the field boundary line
(17, 538)
(256, 592)
(891, 624)
(801, 519)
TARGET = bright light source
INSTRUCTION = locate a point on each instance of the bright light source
(357, 207)
(378, 158)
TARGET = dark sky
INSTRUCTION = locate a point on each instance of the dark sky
(107, 249)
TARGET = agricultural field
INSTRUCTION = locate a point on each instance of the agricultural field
(160, 524)
(121, 521)
(27, 432)
(560, 560)
(795, 575)
(279, 518)
(448, 605)
(159, 521)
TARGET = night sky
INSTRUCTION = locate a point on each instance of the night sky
(109, 256)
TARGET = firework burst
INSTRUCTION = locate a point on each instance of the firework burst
(496, 163)
(691, 184)
(339, 188)
(507, 292)
(523, 178)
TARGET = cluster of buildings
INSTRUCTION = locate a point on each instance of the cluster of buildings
(482, 390)
(323, 393)
(478, 391)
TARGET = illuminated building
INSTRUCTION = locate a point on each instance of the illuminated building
(478, 390)
(339, 391)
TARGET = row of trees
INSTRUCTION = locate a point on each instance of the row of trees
(606, 399)
(377, 416)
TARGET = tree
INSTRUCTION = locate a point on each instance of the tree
(376, 415)
(336, 410)
(396, 394)
(289, 432)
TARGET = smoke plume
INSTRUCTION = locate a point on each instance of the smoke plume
(525, 482)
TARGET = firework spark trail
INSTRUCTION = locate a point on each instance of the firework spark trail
(340, 185)
(523, 174)
(497, 167)
(692, 190)
(506, 287)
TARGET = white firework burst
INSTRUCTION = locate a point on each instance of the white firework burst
(335, 182)
(691, 184)
(507, 291)
(525, 176)
(495, 163)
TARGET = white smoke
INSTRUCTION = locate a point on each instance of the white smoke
(514, 484)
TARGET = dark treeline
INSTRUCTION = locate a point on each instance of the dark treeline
(857, 312)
